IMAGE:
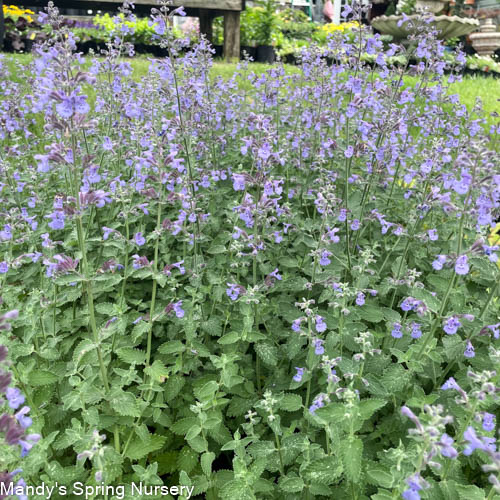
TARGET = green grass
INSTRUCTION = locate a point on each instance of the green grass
(486, 88)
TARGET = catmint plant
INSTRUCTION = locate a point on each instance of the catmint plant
(276, 284)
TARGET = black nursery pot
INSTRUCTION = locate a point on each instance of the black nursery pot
(251, 51)
(219, 49)
(265, 54)
(28, 45)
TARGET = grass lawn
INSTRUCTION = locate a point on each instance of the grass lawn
(486, 88)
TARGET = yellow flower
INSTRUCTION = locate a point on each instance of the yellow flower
(404, 184)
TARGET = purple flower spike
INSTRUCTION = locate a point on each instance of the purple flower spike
(475, 443)
(234, 291)
(139, 239)
(447, 450)
(15, 398)
(298, 376)
(177, 306)
(451, 383)
(396, 331)
(488, 422)
(439, 262)
(318, 347)
(469, 350)
(461, 265)
(360, 299)
(416, 332)
(320, 324)
(452, 325)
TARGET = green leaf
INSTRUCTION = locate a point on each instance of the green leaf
(325, 471)
(193, 432)
(229, 338)
(172, 347)
(183, 425)
(187, 459)
(351, 450)
(370, 313)
(237, 489)
(206, 463)
(217, 249)
(368, 407)
(138, 449)
(267, 353)
(207, 391)
(124, 403)
(37, 378)
(291, 484)
(157, 371)
(131, 355)
(380, 477)
(291, 402)
(173, 386)
(470, 492)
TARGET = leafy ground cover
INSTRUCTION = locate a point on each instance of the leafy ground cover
(281, 289)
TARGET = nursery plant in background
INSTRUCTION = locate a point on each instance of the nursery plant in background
(266, 23)
(288, 290)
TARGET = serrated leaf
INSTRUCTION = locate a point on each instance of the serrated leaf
(193, 432)
(138, 449)
(37, 378)
(229, 338)
(217, 249)
(291, 402)
(173, 386)
(291, 484)
(206, 462)
(351, 450)
(207, 391)
(183, 425)
(172, 347)
(124, 403)
(237, 489)
(380, 477)
(370, 313)
(157, 371)
(470, 492)
(267, 353)
(324, 471)
(368, 407)
(131, 355)
(187, 459)
(105, 308)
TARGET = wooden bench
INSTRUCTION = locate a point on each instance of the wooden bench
(205, 10)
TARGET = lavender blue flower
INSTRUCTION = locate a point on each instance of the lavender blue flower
(469, 350)
(416, 331)
(461, 265)
(320, 324)
(298, 376)
(14, 397)
(318, 347)
(451, 325)
(439, 262)
(488, 421)
(360, 299)
(396, 332)
(139, 239)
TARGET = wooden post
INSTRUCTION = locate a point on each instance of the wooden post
(231, 35)
(206, 19)
(2, 24)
